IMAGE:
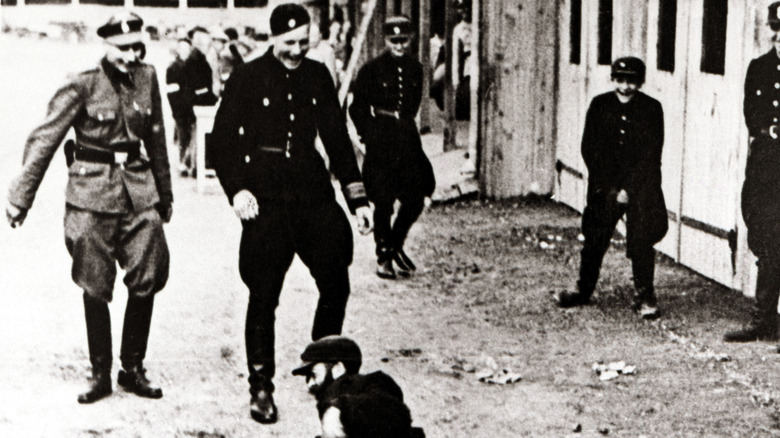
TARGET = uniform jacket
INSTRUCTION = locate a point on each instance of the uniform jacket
(200, 78)
(181, 95)
(761, 189)
(104, 107)
(395, 163)
(621, 147)
(371, 405)
(264, 131)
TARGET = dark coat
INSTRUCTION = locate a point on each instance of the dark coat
(395, 165)
(181, 95)
(200, 78)
(371, 405)
(761, 189)
(264, 131)
(621, 147)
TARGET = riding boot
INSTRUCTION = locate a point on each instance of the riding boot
(261, 388)
(98, 320)
(135, 334)
(384, 261)
(763, 322)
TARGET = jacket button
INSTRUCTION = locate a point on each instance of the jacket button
(289, 96)
(292, 117)
(82, 171)
(758, 92)
(266, 102)
(775, 103)
(247, 159)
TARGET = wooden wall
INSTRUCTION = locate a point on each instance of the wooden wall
(706, 139)
(517, 67)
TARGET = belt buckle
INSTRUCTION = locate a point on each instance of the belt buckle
(120, 158)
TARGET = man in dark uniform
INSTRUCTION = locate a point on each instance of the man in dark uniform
(621, 146)
(272, 109)
(118, 196)
(761, 189)
(181, 97)
(351, 404)
(387, 95)
(199, 72)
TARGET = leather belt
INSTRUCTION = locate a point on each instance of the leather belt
(120, 153)
(272, 149)
(383, 112)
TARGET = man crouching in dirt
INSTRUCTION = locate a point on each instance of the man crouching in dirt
(118, 196)
(621, 146)
(350, 404)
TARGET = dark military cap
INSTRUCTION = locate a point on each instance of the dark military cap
(330, 349)
(629, 67)
(287, 17)
(774, 13)
(122, 29)
(231, 33)
(400, 26)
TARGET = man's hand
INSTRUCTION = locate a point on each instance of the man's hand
(166, 211)
(15, 215)
(245, 205)
(427, 202)
(365, 220)
(331, 421)
(622, 197)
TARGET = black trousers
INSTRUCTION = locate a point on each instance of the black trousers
(598, 226)
(321, 236)
(392, 237)
(135, 331)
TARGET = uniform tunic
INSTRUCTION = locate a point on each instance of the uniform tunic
(109, 216)
(263, 141)
(395, 165)
(621, 147)
(761, 189)
(387, 95)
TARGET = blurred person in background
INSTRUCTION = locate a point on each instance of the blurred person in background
(181, 97)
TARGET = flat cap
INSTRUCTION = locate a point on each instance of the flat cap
(122, 29)
(399, 26)
(774, 13)
(287, 17)
(629, 67)
(330, 349)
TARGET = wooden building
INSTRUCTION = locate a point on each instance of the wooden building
(697, 52)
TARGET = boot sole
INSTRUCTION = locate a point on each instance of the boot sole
(84, 400)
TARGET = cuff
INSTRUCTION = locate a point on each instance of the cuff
(355, 194)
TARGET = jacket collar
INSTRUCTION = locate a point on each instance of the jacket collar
(115, 76)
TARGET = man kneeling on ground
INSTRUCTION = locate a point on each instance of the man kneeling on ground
(350, 404)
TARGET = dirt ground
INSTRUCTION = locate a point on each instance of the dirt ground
(481, 298)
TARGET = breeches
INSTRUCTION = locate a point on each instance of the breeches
(321, 236)
(97, 241)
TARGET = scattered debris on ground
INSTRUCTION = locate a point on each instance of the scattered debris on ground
(612, 370)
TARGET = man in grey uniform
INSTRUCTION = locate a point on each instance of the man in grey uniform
(118, 196)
